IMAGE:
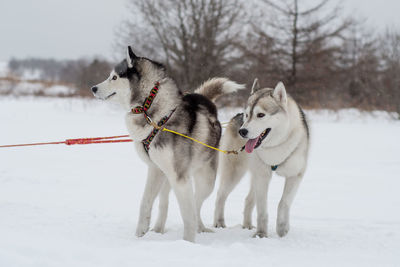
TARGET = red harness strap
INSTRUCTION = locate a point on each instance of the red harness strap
(80, 141)
(97, 140)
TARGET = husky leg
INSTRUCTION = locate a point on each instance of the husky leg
(176, 170)
(261, 176)
(183, 190)
(289, 192)
(163, 197)
(154, 181)
(248, 207)
(204, 179)
(232, 170)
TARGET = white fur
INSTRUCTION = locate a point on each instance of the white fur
(162, 174)
(256, 86)
(128, 58)
(120, 87)
(211, 88)
(285, 146)
(280, 93)
(231, 87)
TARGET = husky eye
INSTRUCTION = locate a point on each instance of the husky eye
(114, 77)
(260, 115)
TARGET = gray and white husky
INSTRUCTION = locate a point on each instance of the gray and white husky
(275, 135)
(172, 160)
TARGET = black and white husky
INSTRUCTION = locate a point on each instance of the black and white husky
(275, 135)
(143, 88)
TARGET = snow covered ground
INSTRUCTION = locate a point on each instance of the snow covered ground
(78, 206)
(29, 88)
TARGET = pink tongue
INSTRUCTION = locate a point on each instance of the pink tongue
(249, 147)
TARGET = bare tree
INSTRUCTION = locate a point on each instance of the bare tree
(360, 69)
(90, 73)
(390, 55)
(195, 38)
(304, 42)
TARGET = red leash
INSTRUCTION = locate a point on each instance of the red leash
(80, 141)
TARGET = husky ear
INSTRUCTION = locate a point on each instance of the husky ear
(280, 93)
(255, 87)
(130, 57)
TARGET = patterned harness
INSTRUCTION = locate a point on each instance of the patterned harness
(143, 109)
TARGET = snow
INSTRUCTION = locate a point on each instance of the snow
(31, 74)
(55, 90)
(78, 205)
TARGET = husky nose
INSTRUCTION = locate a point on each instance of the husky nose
(94, 89)
(243, 132)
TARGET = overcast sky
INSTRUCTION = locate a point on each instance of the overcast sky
(68, 29)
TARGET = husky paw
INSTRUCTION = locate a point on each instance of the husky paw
(282, 229)
(141, 231)
(260, 235)
(204, 230)
(220, 224)
(158, 229)
(247, 225)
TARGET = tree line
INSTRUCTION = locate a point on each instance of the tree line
(81, 74)
(325, 59)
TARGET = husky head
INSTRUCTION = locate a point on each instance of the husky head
(125, 81)
(266, 119)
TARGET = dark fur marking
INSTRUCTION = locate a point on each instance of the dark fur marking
(238, 119)
(192, 103)
(134, 75)
(215, 135)
(191, 110)
(304, 120)
(124, 71)
(131, 54)
(164, 138)
(254, 103)
(196, 100)
(157, 64)
(185, 117)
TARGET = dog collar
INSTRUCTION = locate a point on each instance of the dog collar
(148, 101)
(143, 109)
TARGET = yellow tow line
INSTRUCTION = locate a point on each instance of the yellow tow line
(235, 152)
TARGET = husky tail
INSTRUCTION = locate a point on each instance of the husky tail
(216, 87)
